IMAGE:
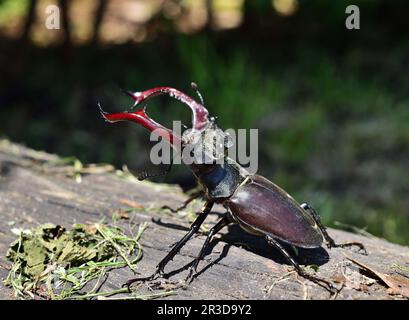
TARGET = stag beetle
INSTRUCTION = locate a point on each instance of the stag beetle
(258, 205)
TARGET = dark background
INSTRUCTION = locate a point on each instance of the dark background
(331, 104)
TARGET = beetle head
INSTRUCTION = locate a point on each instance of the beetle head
(206, 146)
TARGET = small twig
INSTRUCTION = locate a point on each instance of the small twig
(141, 297)
(117, 248)
(305, 288)
(95, 288)
(5, 267)
(97, 294)
(284, 277)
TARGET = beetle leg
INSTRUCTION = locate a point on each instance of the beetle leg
(194, 196)
(193, 229)
(215, 229)
(329, 241)
(319, 281)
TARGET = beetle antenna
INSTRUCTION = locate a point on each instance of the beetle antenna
(146, 175)
(195, 87)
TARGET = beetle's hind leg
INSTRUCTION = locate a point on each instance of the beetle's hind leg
(329, 241)
(215, 229)
(326, 284)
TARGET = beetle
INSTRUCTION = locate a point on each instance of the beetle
(253, 202)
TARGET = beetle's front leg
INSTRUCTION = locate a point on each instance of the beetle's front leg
(162, 264)
(329, 241)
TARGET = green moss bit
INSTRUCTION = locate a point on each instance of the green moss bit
(56, 263)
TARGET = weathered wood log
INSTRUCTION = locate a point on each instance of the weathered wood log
(240, 266)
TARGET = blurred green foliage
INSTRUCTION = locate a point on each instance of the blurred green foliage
(332, 106)
(11, 9)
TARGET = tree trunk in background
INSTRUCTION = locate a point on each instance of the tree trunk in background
(29, 21)
(99, 15)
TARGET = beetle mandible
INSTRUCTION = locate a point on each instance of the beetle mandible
(258, 205)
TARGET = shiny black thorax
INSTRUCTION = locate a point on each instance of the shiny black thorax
(219, 180)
